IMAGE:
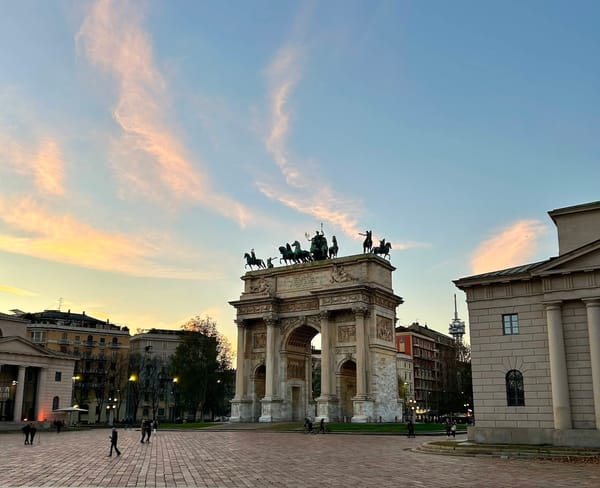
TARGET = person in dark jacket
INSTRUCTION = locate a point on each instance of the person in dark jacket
(114, 439)
(26, 430)
(32, 431)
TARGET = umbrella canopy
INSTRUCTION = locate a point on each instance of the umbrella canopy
(71, 409)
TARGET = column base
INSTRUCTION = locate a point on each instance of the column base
(270, 410)
(327, 408)
(241, 410)
(363, 409)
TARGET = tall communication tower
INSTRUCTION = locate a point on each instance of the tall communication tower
(457, 326)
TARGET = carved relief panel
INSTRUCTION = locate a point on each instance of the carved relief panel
(295, 369)
(346, 333)
(259, 340)
(385, 329)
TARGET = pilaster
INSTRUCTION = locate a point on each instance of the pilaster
(593, 319)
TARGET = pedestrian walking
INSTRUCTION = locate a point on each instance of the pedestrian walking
(27, 431)
(410, 429)
(154, 425)
(114, 439)
(32, 431)
(144, 430)
(148, 430)
(453, 429)
(448, 428)
(322, 426)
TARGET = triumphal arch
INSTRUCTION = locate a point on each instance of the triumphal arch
(350, 302)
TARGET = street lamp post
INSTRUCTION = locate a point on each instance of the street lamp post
(174, 392)
(130, 408)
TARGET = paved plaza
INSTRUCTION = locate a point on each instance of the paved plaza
(261, 459)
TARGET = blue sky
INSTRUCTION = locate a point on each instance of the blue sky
(146, 145)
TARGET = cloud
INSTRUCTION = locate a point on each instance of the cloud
(13, 290)
(512, 246)
(149, 159)
(302, 191)
(62, 238)
(42, 163)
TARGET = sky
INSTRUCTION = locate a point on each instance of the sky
(146, 145)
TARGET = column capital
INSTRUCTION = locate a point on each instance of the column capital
(324, 314)
(591, 302)
(553, 305)
(270, 319)
(360, 310)
(240, 322)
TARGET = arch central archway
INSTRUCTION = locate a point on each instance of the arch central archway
(298, 399)
(347, 387)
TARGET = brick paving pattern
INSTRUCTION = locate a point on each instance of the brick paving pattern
(264, 459)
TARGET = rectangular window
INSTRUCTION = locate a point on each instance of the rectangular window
(57, 376)
(38, 336)
(510, 324)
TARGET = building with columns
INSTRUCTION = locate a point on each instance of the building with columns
(535, 338)
(350, 302)
(34, 381)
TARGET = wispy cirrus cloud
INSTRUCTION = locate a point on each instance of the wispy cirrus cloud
(302, 191)
(13, 290)
(36, 231)
(512, 246)
(41, 161)
(149, 159)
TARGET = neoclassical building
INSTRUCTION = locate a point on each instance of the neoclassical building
(350, 302)
(535, 338)
(34, 381)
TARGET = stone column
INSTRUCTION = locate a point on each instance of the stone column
(561, 404)
(271, 403)
(18, 410)
(325, 356)
(593, 318)
(361, 362)
(41, 391)
(240, 376)
(270, 358)
(241, 406)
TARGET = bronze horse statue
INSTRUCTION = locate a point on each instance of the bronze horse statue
(368, 242)
(383, 249)
(287, 254)
(333, 250)
(300, 254)
(251, 261)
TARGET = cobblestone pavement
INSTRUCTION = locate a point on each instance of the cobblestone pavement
(264, 459)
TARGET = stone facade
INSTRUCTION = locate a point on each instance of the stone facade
(33, 381)
(541, 320)
(349, 301)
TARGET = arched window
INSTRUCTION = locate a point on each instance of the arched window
(55, 403)
(515, 392)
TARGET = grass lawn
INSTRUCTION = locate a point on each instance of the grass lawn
(332, 427)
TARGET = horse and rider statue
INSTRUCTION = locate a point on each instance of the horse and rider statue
(252, 260)
(383, 248)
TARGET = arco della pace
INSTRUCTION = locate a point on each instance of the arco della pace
(350, 302)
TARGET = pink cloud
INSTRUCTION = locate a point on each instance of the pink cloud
(42, 163)
(149, 160)
(512, 246)
(37, 232)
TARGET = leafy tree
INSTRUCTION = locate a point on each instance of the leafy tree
(202, 366)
